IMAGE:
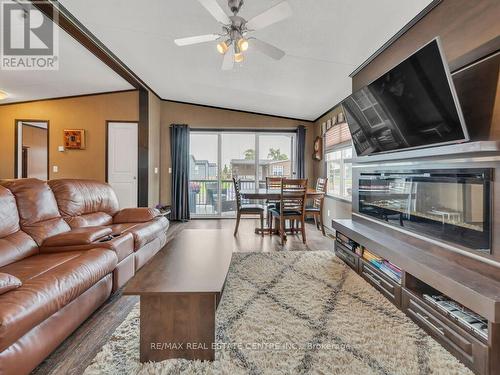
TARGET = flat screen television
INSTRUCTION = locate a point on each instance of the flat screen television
(413, 105)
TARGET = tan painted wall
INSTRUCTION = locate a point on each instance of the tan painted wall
(154, 150)
(88, 112)
(204, 117)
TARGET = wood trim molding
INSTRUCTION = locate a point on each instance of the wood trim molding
(236, 110)
(143, 162)
(68, 97)
(16, 144)
(82, 35)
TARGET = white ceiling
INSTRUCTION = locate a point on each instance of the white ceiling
(325, 40)
(80, 72)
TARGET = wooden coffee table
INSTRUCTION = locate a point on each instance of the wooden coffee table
(180, 289)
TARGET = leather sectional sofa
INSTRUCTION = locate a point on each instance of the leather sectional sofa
(65, 247)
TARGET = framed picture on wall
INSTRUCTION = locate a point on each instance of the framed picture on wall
(74, 139)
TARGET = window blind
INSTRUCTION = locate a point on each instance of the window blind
(336, 135)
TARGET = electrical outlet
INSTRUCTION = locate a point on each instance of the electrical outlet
(55, 169)
(170, 170)
(156, 170)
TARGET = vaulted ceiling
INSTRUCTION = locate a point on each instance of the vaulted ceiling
(324, 41)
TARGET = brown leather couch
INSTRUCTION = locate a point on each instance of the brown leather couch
(64, 248)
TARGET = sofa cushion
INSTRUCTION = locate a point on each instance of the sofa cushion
(85, 202)
(9, 217)
(50, 282)
(37, 207)
(78, 236)
(8, 282)
(143, 233)
(135, 215)
(89, 220)
(16, 247)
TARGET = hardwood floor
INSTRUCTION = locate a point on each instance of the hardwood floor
(78, 350)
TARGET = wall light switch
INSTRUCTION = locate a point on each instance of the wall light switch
(156, 170)
(55, 169)
(170, 170)
(60, 148)
(328, 213)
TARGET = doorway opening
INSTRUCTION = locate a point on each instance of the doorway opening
(32, 149)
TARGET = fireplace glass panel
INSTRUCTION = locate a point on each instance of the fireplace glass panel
(452, 205)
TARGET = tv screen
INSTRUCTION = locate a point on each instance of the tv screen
(412, 105)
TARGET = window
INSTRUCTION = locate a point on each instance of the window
(277, 170)
(218, 156)
(338, 155)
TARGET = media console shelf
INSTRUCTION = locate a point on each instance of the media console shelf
(451, 296)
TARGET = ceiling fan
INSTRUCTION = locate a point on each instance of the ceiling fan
(235, 31)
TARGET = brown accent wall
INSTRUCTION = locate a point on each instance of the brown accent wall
(468, 31)
(462, 25)
(154, 117)
(86, 112)
(205, 117)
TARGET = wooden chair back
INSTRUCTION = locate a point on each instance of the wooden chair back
(293, 195)
(273, 182)
(321, 184)
(237, 192)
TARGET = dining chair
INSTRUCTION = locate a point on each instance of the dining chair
(291, 206)
(316, 209)
(246, 209)
(272, 183)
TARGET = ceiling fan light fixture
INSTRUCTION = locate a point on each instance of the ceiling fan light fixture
(222, 47)
(243, 44)
(239, 57)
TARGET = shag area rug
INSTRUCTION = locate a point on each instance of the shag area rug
(295, 313)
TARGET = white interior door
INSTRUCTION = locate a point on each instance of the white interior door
(122, 161)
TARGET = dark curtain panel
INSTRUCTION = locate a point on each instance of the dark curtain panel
(179, 141)
(301, 148)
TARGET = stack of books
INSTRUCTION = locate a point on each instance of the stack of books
(391, 270)
(383, 265)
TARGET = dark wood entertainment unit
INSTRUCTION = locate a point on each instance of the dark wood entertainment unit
(428, 268)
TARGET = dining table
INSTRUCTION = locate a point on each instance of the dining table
(274, 195)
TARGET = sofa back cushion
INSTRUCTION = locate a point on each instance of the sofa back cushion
(37, 207)
(85, 203)
(14, 244)
(9, 217)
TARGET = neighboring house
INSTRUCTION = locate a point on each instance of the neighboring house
(202, 169)
(245, 169)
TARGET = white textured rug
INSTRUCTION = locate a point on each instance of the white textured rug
(295, 313)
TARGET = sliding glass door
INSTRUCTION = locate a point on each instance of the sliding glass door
(218, 156)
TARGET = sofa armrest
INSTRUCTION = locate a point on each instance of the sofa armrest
(78, 236)
(135, 215)
(8, 282)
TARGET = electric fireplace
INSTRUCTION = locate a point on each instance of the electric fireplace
(453, 205)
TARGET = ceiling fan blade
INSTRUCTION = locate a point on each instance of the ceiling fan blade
(228, 62)
(275, 14)
(196, 39)
(215, 10)
(267, 49)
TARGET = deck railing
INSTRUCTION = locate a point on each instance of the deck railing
(203, 195)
